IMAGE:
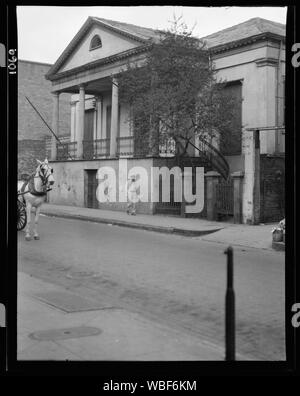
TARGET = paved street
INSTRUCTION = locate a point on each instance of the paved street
(173, 281)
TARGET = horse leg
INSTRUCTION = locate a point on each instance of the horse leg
(36, 221)
(27, 230)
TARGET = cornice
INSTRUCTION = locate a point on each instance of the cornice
(99, 62)
(266, 62)
(240, 43)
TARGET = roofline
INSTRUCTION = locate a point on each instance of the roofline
(124, 32)
(99, 62)
(243, 23)
(79, 36)
(35, 62)
(245, 41)
(93, 20)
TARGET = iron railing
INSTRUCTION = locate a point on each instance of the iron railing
(66, 151)
(94, 149)
(101, 148)
(167, 148)
(212, 155)
(48, 143)
(125, 146)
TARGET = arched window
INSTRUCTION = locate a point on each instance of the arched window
(95, 42)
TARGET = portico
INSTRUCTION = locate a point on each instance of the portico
(88, 69)
(98, 127)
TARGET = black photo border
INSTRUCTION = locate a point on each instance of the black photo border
(132, 371)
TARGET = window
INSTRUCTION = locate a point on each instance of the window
(231, 138)
(95, 42)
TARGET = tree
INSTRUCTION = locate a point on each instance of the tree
(175, 96)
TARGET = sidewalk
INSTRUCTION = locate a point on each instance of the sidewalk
(158, 223)
(258, 236)
(46, 332)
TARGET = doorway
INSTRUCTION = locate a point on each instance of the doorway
(88, 135)
(91, 184)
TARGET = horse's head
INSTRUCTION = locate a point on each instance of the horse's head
(45, 172)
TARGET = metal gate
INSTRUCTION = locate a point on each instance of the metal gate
(170, 207)
(224, 198)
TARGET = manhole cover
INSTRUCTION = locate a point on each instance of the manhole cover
(62, 334)
(82, 275)
(70, 302)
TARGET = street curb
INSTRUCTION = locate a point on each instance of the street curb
(147, 227)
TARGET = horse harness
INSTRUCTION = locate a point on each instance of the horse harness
(31, 188)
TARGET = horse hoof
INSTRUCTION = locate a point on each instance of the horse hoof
(36, 237)
(28, 238)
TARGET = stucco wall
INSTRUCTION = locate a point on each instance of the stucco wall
(258, 104)
(111, 44)
(69, 182)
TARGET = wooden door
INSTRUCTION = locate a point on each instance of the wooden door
(88, 136)
(91, 187)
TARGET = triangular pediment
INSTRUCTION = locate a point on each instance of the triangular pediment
(78, 53)
(111, 44)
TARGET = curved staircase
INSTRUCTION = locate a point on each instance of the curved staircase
(213, 156)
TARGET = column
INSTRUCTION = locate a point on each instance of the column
(212, 179)
(73, 122)
(114, 118)
(55, 125)
(80, 121)
(99, 119)
(237, 196)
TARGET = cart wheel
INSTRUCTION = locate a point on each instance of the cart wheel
(22, 216)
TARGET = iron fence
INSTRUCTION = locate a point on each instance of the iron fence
(224, 197)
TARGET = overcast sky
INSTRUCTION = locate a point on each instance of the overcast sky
(44, 32)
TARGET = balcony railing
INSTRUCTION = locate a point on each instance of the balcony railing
(167, 148)
(125, 146)
(48, 143)
(94, 149)
(66, 151)
(101, 148)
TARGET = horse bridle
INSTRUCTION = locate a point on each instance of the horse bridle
(43, 177)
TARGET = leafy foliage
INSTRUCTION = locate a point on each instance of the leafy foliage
(175, 95)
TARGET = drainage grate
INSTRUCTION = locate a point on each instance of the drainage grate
(62, 334)
(69, 302)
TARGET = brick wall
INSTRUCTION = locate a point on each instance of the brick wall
(272, 191)
(32, 83)
(29, 151)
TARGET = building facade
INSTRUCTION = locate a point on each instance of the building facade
(32, 132)
(249, 56)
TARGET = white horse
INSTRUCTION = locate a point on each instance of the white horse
(34, 192)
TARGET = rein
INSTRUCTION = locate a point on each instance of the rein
(27, 192)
